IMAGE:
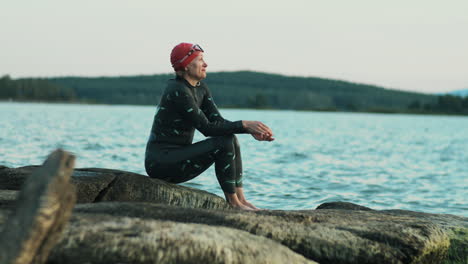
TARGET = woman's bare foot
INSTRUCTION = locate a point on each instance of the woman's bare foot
(246, 203)
(242, 200)
(242, 207)
(233, 200)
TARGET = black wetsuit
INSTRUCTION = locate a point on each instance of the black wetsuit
(170, 154)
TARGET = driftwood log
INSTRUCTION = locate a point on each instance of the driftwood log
(44, 205)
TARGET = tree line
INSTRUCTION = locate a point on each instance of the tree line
(243, 89)
(35, 89)
(446, 104)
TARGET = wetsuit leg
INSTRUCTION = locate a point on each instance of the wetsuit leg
(238, 162)
(184, 163)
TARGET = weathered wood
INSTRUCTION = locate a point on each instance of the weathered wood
(44, 206)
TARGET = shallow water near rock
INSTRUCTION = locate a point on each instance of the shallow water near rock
(381, 161)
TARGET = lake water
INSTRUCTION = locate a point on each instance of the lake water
(382, 161)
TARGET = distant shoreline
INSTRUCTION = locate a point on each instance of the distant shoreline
(242, 89)
(382, 111)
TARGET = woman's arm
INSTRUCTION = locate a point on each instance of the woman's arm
(258, 130)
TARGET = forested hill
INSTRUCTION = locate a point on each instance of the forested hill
(250, 90)
(243, 89)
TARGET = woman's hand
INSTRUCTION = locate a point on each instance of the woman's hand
(262, 137)
(256, 127)
(258, 130)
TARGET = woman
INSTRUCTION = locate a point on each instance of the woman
(186, 105)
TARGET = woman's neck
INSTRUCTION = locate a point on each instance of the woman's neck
(192, 81)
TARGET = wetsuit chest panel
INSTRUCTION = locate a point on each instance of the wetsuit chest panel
(169, 126)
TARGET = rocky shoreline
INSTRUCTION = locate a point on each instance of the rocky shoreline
(123, 217)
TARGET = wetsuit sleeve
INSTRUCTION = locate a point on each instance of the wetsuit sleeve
(210, 109)
(185, 105)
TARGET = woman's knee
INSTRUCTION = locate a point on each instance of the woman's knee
(148, 168)
(236, 142)
(226, 142)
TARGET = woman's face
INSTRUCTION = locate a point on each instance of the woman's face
(196, 69)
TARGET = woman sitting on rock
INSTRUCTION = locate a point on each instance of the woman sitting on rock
(186, 105)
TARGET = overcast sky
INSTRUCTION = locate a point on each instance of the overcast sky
(417, 45)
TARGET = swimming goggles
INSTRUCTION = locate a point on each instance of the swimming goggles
(193, 49)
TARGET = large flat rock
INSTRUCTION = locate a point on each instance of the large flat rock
(108, 239)
(455, 227)
(334, 233)
(325, 236)
(13, 178)
(8, 199)
(98, 185)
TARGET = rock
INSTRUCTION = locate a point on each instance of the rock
(43, 208)
(343, 205)
(97, 185)
(325, 236)
(13, 178)
(90, 185)
(135, 187)
(456, 228)
(8, 199)
(338, 232)
(108, 239)
(445, 221)
(4, 214)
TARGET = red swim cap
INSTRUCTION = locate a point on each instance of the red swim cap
(183, 54)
